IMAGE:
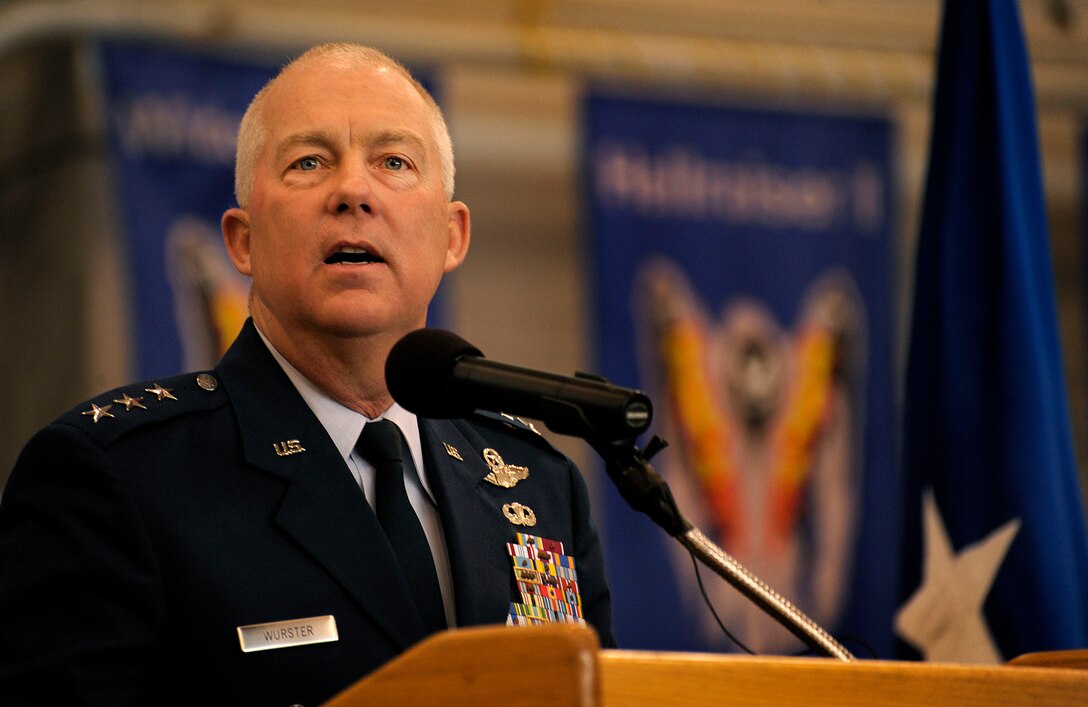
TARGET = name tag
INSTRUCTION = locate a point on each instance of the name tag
(284, 634)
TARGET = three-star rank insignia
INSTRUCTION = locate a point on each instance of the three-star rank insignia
(130, 402)
(503, 474)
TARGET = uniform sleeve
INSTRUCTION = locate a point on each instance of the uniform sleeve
(589, 562)
(80, 603)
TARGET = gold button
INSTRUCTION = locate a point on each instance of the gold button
(207, 381)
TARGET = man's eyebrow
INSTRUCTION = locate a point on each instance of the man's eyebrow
(394, 137)
(314, 139)
(323, 139)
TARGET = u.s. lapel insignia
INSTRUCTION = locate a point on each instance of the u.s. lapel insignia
(452, 451)
(519, 514)
(503, 474)
(288, 447)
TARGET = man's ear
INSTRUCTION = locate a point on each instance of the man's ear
(458, 232)
(235, 227)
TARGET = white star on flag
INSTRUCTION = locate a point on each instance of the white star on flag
(943, 619)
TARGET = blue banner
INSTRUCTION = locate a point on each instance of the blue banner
(743, 273)
(172, 115)
(996, 556)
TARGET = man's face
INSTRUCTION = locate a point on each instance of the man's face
(348, 230)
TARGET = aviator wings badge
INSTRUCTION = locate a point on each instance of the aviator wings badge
(503, 474)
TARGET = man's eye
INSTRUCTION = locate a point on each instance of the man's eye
(307, 164)
(392, 162)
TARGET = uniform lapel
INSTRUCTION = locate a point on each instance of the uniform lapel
(476, 540)
(323, 510)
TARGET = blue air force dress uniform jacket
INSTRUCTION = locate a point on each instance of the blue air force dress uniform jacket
(138, 531)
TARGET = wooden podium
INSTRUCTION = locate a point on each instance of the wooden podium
(563, 665)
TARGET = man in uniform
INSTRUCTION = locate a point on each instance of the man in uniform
(222, 537)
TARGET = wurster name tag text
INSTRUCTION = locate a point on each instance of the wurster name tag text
(284, 634)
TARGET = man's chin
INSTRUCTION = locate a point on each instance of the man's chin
(372, 326)
(346, 320)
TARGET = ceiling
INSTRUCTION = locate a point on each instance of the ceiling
(876, 50)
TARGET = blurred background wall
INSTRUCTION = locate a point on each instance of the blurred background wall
(511, 74)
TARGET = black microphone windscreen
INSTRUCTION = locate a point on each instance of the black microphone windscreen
(419, 372)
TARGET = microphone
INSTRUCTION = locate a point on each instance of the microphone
(435, 373)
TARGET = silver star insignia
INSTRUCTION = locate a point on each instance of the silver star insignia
(98, 413)
(161, 392)
(129, 402)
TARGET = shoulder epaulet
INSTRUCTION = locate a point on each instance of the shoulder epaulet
(508, 420)
(519, 426)
(112, 414)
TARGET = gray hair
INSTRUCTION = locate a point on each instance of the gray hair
(252, 132)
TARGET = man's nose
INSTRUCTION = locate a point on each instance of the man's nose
(344, 207)
(352, 190)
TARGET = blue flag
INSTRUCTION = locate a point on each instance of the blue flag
(996, 555)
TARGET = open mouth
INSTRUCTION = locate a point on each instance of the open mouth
(353, 255)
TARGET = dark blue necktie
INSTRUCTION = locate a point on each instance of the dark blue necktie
(382, 444)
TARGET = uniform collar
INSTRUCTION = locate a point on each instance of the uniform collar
(343, 424)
